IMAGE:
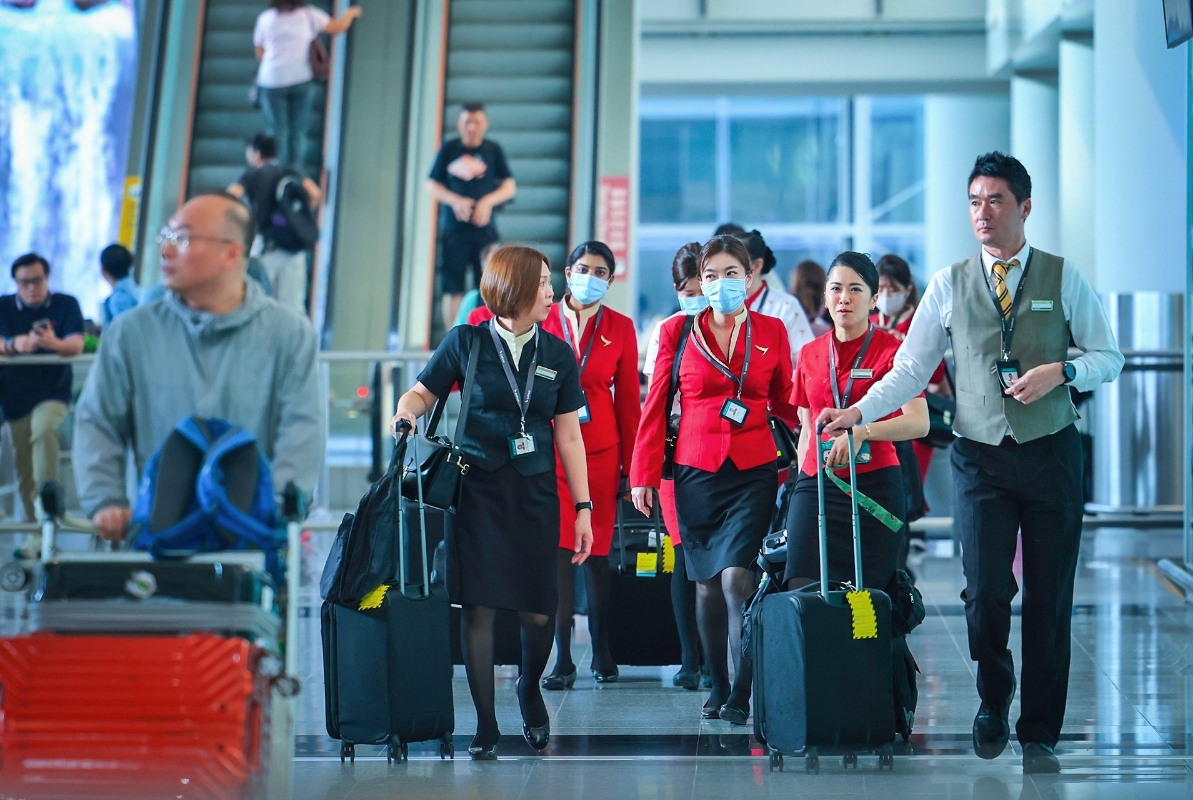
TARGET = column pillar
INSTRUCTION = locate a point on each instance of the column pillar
(957, 129)
(1035, 142)
(1076, 161)
(1140, 133)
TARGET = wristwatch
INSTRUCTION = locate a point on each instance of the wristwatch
(1070, 371)
(581, 506)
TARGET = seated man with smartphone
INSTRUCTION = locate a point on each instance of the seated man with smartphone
(34, 397)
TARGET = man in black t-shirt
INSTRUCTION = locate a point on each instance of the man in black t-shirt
(472, 178)
(34, 397)
(286, 270)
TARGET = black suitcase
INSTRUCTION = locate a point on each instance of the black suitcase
(387, 670)
(216, 582)
(643, 632)
(822, 665)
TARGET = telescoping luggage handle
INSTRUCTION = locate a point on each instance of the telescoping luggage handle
(405, 429)
(657, 519)
(822, 520)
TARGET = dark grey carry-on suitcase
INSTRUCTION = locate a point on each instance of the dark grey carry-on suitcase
(822, 664)
(387, 670)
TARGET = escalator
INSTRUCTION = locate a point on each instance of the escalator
(223, 118)
(518, 58)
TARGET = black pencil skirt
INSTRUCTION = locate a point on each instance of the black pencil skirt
(723, 515)
(503, 540)
(880, 545)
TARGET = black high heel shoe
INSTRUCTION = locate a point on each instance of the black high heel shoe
(539, 737)
(482, 752)
(688, 679)
(605, 677)
(556, 682)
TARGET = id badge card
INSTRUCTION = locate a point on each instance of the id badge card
(1007, 371)
(584, 415)
(735, 411)
(863, 452)
(522, 445)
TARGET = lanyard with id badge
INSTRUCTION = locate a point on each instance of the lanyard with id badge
(523, 444)
(842, 401)
(1007, 368)
(734, 409)
(567, 335)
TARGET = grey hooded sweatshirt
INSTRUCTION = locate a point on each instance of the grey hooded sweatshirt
(162, 362)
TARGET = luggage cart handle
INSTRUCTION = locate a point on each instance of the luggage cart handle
(822, 521)
(405, 436)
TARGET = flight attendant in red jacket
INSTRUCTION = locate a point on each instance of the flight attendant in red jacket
(725, 472)
(606, 345)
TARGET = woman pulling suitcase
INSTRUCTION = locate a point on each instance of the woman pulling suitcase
(606, 345)
(735, 370)
(834, 371)
(503, 539)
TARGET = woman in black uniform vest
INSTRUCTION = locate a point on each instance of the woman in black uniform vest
(503, 539)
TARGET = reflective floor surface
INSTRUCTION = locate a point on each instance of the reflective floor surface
(1128, 731)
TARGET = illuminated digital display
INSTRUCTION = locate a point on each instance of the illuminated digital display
(67, 75)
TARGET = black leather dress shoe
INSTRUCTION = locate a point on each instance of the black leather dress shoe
(686, 679)
(605, 677)
(711, 709)
(555, 683)
(991, 731)
(537, 738)
(734, 714)
(486, 752)
(1039, 759)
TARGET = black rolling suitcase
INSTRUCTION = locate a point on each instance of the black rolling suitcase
(822, 665)
(387, 669)
(643, 632)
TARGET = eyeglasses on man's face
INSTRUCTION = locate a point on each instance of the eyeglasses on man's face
(182, 239)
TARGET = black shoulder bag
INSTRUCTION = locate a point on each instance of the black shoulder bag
(441, 461)
(673, 421)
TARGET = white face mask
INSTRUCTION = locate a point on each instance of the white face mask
(891, 305)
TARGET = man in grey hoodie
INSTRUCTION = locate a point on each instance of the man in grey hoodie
(213, 346)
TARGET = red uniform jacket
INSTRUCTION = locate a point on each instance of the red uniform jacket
(609, 381)
(705, 438)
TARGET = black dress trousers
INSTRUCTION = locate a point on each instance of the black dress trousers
(1002, 490)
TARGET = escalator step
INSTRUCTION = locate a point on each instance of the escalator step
(229, 70)
(462, 90)
(518, 116)
(532, 227)
(488, 36)
(504, 64)
(540, 171)
(513, 10)
(541, 200)
(534, 144)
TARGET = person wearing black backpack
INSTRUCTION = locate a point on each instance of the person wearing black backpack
(284, 204)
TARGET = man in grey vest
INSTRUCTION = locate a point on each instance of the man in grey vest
(1010, 311)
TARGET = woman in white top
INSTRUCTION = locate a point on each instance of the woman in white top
(285, 81)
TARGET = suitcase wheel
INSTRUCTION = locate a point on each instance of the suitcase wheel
(849, 761)
(396, 753)
(886, 758)
(347, 751)
(447, 748)
(776, 762)
(812, 762)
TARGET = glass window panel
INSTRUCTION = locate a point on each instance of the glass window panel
(784, 169)
(656, 290)
(677, 168)
(897, 159)
(910, 249)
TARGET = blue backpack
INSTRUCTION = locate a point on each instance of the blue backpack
(207, 488)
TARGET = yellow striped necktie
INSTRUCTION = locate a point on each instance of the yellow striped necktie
(1000, 269)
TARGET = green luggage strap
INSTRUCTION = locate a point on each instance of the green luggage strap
(878, 512)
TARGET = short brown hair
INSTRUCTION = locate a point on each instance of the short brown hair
(731, 246)
(511, 282)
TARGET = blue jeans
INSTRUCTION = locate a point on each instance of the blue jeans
(288, 112)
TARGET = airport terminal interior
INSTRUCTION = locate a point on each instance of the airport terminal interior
(249, 239)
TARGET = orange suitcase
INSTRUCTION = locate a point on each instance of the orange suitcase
(132, 716)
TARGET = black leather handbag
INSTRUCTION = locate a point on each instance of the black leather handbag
(786, 442)
(673, 421)
(941, 412)
(438, 459)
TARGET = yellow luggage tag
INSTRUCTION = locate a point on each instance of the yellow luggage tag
(865, 623)
(647, 565)
(375, 598)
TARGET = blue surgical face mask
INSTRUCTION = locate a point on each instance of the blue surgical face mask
(586, 288)
(692, 305)
(725, 295)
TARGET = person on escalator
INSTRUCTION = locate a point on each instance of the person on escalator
(471, 178)
(282, 41)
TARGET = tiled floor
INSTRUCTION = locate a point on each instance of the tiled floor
(1128, 732)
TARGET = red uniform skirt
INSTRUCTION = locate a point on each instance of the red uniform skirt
(604, 475)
